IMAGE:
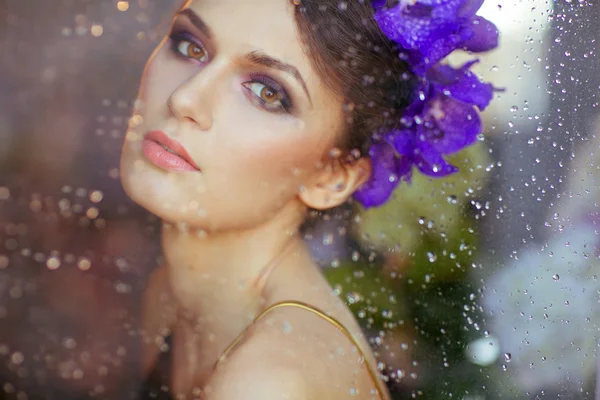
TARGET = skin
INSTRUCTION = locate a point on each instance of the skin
(230, 231)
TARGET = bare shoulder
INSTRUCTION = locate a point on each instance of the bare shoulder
(254, 372)
(292, 354)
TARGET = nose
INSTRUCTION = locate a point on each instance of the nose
(194, 99)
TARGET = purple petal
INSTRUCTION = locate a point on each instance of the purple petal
(384, 178)
(455, 125)
(404, 168)
(446, 3)
(470, 8)
(461, 84)
(438, 50)
(485, 36)
(431, 163)
(443, 75)
(450, 10)
(439, 9)
(472, 91)
(403, 141)
(413, 29)
(378, 3)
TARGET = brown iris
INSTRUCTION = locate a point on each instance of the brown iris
(195, 51)
(268, 95)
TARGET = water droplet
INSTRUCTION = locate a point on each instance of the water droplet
(17, 358)
(123, 5)
(507, 357)
(84, 264)
(96, 196)
(97, 30)
(53, 263)
(4, 261)
(69, 343)
(555, 277)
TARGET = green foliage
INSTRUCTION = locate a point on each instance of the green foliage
(430, 299)
(425, 202)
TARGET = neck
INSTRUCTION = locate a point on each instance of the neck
(219, 275)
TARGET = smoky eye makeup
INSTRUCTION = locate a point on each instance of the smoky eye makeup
(186, 45)
(266, 93)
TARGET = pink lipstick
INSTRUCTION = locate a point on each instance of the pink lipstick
(167, 153)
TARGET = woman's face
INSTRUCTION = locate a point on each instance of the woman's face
(233, 86)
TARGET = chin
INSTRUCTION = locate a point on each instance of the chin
(151, 188)
(160, 199)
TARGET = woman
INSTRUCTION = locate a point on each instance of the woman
(250, 114)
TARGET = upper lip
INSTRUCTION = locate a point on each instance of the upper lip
(163, 139)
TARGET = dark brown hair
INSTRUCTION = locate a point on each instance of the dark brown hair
(357, 61)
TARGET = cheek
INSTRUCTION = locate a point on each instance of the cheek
(278, 160)
(269, 149)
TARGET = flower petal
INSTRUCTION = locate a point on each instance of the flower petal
(431, 163)
(438, 50)
(455, 125)
(461, 84)
(485, 36)
(413, 27)
(403, 141)
(469, 8)
(384, 178)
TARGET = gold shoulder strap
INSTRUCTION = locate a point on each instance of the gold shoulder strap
(298, 304)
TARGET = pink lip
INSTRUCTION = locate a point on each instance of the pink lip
(152, 147)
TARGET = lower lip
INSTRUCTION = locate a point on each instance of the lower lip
(163, 159)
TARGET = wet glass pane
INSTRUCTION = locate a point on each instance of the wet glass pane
(164, 181)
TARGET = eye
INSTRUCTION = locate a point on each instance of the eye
(268, 94)
(265, 93)
(189, 48)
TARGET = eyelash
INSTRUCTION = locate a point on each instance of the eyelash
(285, 104)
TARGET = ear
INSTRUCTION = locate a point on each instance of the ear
(336, 183)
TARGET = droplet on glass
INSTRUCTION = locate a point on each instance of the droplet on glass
(123, 5)
(53, 263)
(17, 358)
(96, 196)
(4, 261)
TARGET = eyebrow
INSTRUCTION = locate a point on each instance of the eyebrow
(259, 58)
(254, 57)
(196, 21)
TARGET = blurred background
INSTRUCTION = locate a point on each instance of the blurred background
(479, 286)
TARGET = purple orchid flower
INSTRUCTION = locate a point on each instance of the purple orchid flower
(429, 30)
(443, 122)
(443, 119)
